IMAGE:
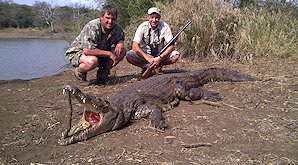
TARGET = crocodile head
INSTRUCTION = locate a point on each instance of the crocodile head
(98, 117)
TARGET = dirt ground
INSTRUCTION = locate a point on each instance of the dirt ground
(255, 122)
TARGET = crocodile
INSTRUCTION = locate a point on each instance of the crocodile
(146, 98)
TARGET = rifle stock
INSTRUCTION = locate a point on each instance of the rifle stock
(148, 71)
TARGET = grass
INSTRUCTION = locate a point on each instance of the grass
(220, 31)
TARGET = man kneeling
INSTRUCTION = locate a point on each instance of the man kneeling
(100, 44)
(150, 37)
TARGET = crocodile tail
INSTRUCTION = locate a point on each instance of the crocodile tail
(221, 74)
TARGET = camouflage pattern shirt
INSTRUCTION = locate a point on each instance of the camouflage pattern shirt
(93, 36)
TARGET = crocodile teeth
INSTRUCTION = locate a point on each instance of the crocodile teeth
(73, 92)
(84, 100)
(64, 90)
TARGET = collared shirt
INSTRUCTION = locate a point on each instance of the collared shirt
(94, 36)
(146, 36)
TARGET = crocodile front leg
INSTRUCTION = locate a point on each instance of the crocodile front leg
(155, 112)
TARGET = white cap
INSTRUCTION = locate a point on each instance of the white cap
(154, 10)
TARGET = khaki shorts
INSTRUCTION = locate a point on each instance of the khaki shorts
(135, 55)
(74, 58)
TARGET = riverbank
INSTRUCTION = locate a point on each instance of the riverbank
(254, 123)
(30, 33)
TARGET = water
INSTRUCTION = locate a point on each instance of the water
(31, 58)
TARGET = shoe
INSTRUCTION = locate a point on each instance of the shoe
(143, 70)
(102, 76)
(80, 75)
(155, 71)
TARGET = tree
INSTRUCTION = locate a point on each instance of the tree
(127, 9)
(13, 15)
(23, 16)
(6, 1)
(4, 14)
(44, 11)
(64, 18)
(244, 3)
(131, 9)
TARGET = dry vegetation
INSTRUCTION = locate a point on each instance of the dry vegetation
(255, 122)
(220, 31)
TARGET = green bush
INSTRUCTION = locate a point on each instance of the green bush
(129, 10)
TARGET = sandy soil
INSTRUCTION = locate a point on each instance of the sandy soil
(255, 122)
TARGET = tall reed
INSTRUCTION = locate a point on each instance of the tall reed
(219, 30)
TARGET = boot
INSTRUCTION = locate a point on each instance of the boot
(80, 75)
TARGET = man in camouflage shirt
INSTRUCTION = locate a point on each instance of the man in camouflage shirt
(100, 44)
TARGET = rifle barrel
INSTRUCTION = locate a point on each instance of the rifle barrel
(175, 37)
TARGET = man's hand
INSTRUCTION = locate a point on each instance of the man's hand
(119, 47)
(154, 63)
(154, 60)
(113, 57)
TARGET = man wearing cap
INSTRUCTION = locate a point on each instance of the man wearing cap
(150, 37)
(100, 44)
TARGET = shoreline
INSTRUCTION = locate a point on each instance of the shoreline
(34, 114)
(31, 33)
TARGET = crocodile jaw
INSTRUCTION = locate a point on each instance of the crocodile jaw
(99, 117)
(88, 121)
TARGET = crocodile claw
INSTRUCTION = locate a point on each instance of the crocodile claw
(63, 141)
(69, 88)
(64, 134)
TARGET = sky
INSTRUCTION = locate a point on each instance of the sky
(86, 3)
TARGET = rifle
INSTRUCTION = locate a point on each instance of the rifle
(148, 71)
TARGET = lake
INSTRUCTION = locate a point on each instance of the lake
(31, 58)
